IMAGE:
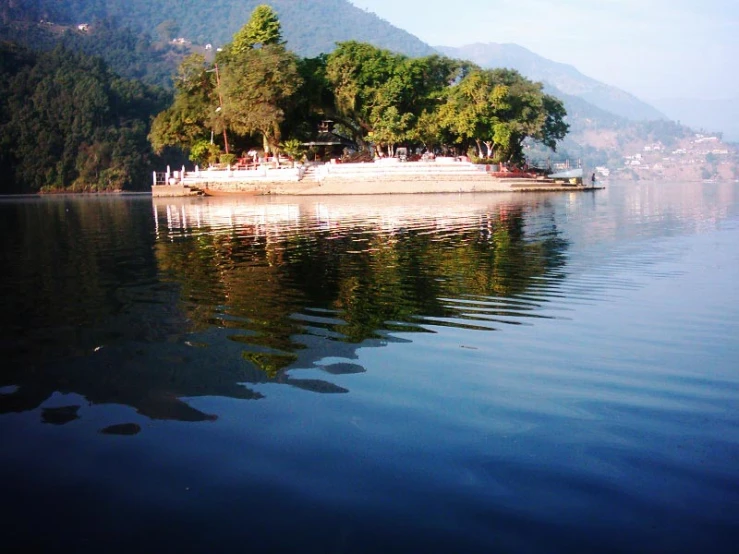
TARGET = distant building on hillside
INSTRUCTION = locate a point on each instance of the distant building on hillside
(84, 27)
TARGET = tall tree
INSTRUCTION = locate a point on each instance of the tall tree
(500, 109)
(258, 86)
(471, 111)
(385, 94)
(258, 79)
(193, 114)
(263, 28)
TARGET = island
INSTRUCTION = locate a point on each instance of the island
(361, 120)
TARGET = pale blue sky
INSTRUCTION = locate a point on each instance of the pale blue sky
(652, 48)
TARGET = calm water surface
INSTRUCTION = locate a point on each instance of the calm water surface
(444, 373)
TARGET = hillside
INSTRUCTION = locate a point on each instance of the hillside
(131, 55)
(67, 123)
(310, 28)
(564, 77)
(711, 115)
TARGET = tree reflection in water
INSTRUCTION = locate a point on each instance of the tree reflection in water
(230, 294)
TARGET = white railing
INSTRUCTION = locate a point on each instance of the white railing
(388, 168)
(229, 174)
(383, 168)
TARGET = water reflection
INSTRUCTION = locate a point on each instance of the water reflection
(298, 282)
(149, 303)
(213, 297)
(61, 415)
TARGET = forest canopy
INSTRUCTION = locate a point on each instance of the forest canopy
(68, 123)
(257, 90)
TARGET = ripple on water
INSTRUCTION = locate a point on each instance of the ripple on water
(333, 359)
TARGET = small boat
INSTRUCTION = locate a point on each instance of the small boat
(568, 174)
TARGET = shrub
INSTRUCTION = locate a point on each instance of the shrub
(227, 159)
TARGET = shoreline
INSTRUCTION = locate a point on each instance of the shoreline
(364, 188)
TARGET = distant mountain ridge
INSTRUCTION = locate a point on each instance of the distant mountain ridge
(563, 77)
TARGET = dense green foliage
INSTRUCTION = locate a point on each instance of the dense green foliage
(381, 98)
(258, 87)
(263, 28)
(252, 84)
(193, 110)
(388, 96)
(68, 123)
(436, 102)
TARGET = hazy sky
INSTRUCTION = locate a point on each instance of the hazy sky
(652, 48)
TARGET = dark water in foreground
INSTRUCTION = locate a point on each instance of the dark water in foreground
(493, 373)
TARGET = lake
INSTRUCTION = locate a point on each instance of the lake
(422, 373)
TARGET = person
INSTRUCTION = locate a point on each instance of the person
(592, 179)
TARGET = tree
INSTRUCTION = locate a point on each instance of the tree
(499, 109)
(293, 148)
(390, 127)
(247, 91)
(389, 96)
(314, 101)
(262, 28)
(258, 79)
(203, 152)
(379, 96)
(355, 71)
(68, 123)
(258, 85)
(193, 113)
(555, 128)
(370, 86)
(470, 112)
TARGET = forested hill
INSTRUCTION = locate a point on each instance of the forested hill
(130, 54)
(310, 28)
(68, 123)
